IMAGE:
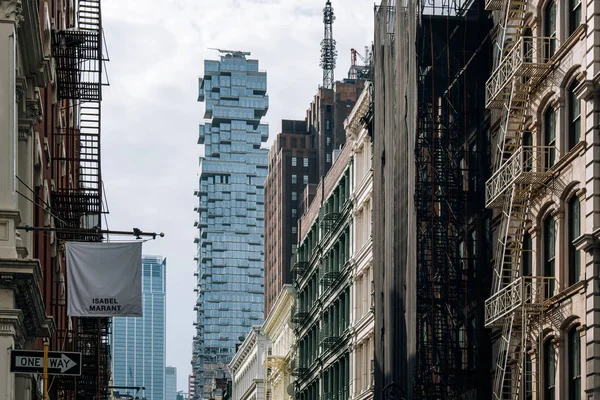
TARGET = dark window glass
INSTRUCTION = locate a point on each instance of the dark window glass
(574, 15)
(574, 117)
(550, 29)
(549, 253)
(549, 371)
(549, 137)
(574, 364)
(574, 222)
(527, 151)
(527, 255)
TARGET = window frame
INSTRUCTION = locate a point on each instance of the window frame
(573, 116)
(575, 16)
(549, 253)
(573, 232)
(574, 363)
(549, 358)
(549, 139)
(550, 29)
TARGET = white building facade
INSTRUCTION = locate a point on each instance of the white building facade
(278, 327)
(560, 241)
(247, 367)
(362, 295)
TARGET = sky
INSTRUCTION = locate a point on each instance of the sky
(150, 113)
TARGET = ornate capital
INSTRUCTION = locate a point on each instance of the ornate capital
(11, 10)
(25, 131)
(21, 88)
(34, 110)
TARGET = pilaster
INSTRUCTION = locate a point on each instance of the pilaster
(10, 18)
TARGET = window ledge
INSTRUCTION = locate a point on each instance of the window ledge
(577, 35)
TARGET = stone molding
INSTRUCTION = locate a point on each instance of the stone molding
(11, 10)
(12, 323)
(23, 276)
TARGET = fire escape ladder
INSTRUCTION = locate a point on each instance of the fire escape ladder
(502, 376)
(89, 16)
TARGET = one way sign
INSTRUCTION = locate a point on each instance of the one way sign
(32, 361)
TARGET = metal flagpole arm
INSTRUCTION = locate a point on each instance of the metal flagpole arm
(135, 231)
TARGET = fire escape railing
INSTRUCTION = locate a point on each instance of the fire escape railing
(77, 198)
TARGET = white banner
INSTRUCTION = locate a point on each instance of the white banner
(104, 279)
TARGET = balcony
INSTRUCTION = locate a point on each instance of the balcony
(530, 292)
(329, 221)
(529, 165)
(330, 276)
(299, 315)
(298, 367)
(327, 337)
(299, 265)
(531, 59)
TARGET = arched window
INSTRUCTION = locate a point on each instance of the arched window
(549, 253)
(549, 371)
(574, 117)
(550, 28)
(574, 15)
(574, 222)
(549, 137)
(574, 352)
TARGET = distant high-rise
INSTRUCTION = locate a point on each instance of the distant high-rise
(230, 285)
(292, 166)
(171, 383)
(325, 118)
(138, 343)
(302, 153)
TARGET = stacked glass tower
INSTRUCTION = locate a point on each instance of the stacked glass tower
(138, 343)
(230, 287)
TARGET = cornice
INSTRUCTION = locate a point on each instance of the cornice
(282, 305)
(23, 276)
(35, 62)
(353, 124)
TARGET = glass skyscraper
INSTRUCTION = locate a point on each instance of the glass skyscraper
(230, 286)
(171, 383)
(138, 343)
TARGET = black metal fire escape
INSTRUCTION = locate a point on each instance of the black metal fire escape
(77, 198)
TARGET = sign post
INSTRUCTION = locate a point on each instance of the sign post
(36, 362)
(45, 394)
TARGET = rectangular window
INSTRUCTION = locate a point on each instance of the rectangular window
(294, 178)
(328, 140)
(294, 230)
(328, 124)
(294, 212)
(294, 196)
(575, 16)
(328, 157)
(305, 179)
(294, 161)
(550, 137)
(574, 118)
(305, 162)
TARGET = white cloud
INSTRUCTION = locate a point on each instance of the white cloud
(150, 113)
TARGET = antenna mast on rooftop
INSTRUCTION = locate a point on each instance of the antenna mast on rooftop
(328, 51)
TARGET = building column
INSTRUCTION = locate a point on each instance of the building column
(11, 333)
(10, 16)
